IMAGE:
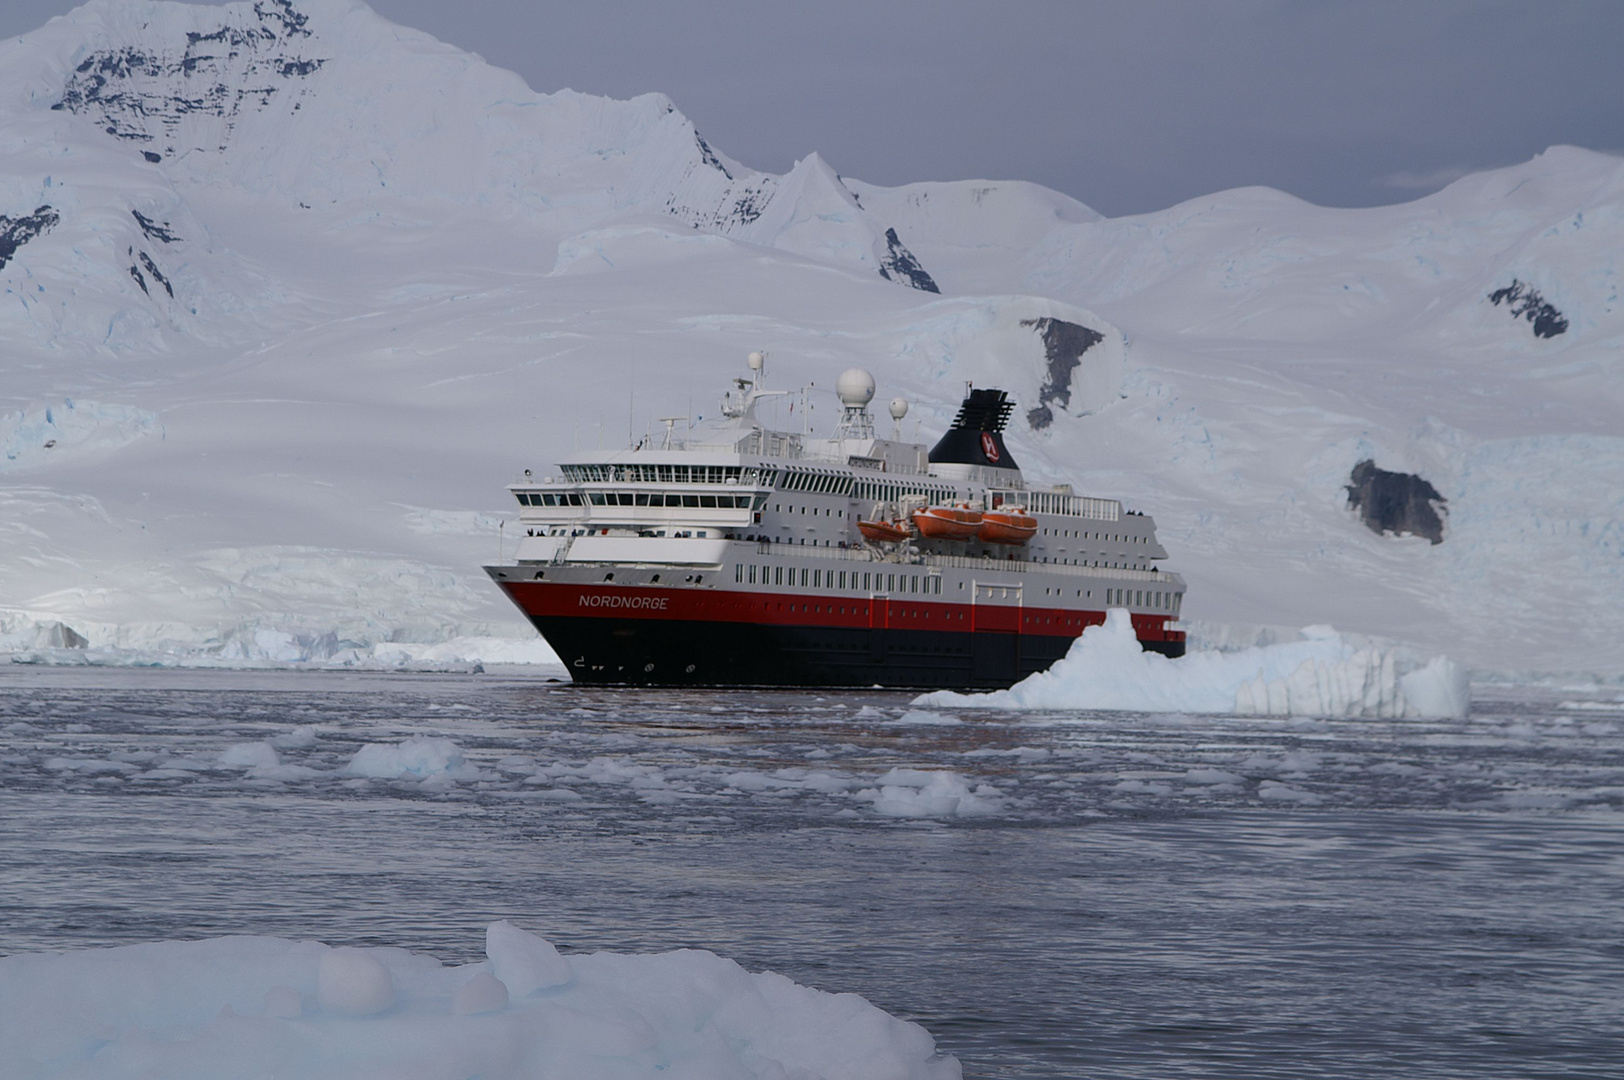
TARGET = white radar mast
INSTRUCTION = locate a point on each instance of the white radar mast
(899, 409)
(855, 389)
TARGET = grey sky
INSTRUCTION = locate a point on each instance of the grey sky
(1127, 106)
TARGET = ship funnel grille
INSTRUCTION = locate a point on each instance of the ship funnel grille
(984, 410)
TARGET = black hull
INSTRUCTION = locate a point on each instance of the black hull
(666, 652)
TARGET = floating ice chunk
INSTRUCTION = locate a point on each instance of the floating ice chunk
(926, 717)
(283, 1001)
(482, 994)
(419, 757)
(1320, 675)
(523, 961)
(352, 982)
(1438, 689)
(916, 793)
(1275, 791)
(298, 737)
(1210, 777)
(192, 1009)
(250, 755)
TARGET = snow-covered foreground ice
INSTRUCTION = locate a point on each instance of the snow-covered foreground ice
(1321, 675)
(1107, 894)
(254, 1007)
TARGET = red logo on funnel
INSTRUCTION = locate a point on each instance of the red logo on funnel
(989, 446)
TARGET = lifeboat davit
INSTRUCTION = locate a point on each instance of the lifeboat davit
(883, 532)
(947, 522)
(1007, 525)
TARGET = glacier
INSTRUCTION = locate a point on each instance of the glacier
(1320, 675)
(374, 278)
(267, 1007)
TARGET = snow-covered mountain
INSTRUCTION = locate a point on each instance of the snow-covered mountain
(291, 292)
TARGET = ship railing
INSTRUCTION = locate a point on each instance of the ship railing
(1054, 502)
(966, 562)
(1026, 566)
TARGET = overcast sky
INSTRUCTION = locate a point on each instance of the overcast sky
(1128, 106)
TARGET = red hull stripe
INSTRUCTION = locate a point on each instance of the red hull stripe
(561, 599)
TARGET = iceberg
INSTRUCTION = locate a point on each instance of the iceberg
(1322, 675)
(253, 1007)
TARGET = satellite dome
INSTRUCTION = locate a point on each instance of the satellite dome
(899, 408)
(855, 388)
(756, 360)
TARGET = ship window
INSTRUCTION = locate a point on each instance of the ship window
(708, 501)
(626, 498)
(738, 572)
(690, 500)
(890, 583)
(642, 498)
(866, 585)
(803, 577)
(778, 575)
(597, 498)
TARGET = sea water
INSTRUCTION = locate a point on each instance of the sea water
(1050, 894)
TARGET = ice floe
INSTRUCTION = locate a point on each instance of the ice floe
(1323, 674)
(254, 1007)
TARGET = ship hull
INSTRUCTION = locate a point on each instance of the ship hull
(685, 637)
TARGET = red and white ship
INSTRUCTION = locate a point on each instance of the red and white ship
(735, 554)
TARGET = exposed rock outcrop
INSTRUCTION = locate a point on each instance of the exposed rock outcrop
(1064, 344)
(1396, 503)
(1525, 302)
(899, 265)
(17, 231)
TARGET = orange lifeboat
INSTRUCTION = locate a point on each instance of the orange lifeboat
(947, 522)
(882, 532)
(1007, 525)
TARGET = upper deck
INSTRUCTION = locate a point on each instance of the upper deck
(737, 479)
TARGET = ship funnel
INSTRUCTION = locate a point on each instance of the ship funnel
(976, 437)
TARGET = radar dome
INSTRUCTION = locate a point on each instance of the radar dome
(756, 360)
(855, 388)
(899, 408)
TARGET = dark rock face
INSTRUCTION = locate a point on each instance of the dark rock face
(1396, 503)
(155, 230)
(17, 231)
(146, 97)
(899, 265)
(1064, 344)
(709, 156)
(1525, 302)
(157, 275)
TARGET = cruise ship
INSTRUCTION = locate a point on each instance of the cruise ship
(731, 553)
